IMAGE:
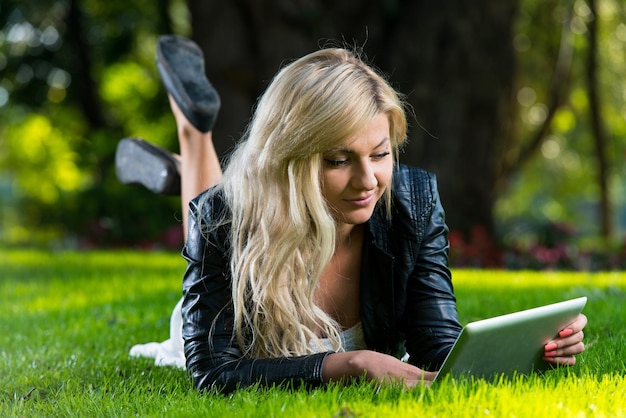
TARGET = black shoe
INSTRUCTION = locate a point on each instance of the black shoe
(140, 162)
(181, 65)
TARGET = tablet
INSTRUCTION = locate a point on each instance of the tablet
(509, 344)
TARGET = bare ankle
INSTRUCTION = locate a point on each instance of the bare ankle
(191, 138)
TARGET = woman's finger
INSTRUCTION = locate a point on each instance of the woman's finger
(576, 326)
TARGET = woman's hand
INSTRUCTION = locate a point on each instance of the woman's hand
(374, 367)
(563, 349)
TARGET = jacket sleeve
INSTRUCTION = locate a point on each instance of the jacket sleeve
(431, 319)
(213, 358)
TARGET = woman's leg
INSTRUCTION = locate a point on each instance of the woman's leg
(199, 164)
(195, 105)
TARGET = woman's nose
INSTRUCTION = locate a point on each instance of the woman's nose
(364, 177)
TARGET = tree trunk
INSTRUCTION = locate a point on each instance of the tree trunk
(453, 60)
(597, 125)
(89, 99)
(456, 62)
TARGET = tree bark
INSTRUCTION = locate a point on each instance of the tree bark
(456, 62)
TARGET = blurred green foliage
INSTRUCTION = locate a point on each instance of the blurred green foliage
(57, 180)
(559, 185)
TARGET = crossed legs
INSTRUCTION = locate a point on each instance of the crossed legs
(194, 104)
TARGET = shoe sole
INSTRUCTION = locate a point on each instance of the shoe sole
(139, 162)
(190, 89)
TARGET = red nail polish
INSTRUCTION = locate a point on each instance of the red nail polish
(550, 346)
(565, 333)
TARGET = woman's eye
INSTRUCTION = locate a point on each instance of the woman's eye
(335, 163)
(381, 155)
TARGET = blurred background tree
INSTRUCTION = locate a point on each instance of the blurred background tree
(519, 109)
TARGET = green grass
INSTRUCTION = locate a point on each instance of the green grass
(67, 321)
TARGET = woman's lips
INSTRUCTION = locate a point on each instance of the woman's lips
(361, 201)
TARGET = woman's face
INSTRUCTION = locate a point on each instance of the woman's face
(357, 172)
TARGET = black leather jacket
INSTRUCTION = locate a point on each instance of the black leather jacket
(407, 301)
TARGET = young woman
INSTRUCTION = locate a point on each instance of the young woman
(314, 256)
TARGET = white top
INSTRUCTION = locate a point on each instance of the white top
(352, 339)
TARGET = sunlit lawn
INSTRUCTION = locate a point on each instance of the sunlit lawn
(68, 319)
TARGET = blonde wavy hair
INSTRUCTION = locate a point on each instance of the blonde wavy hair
(282, 231)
